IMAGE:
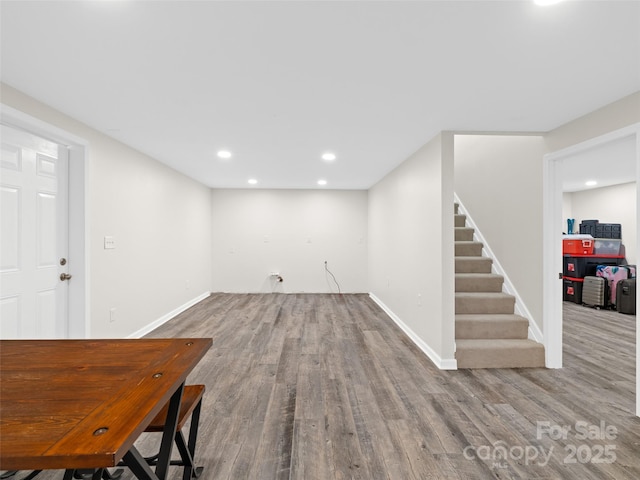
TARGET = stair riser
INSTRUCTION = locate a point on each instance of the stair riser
(488, 334)
(468, 249)
(530, 357)
(492, 284)
(463, 234)
(473, 265)
(484, 305)
(489, 330)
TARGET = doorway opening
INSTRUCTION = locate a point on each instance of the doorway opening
(553, 229)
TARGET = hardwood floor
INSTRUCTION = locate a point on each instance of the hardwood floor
(327, 387)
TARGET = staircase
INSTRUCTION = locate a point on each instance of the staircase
(488, 332)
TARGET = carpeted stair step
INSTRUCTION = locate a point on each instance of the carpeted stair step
(468, 249)
(499, 353)
(488, 333)
(472, 302)
(463, 234)
(491, 326)
(473, 264)
(478, 282)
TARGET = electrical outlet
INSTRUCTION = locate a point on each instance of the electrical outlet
(109, 242)
(112, 315)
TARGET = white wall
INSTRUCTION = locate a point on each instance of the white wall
(161, 223)
(567, 212)
(411, 268)
(498, 179)
(615, 204)
(609, 118)
(256, 232)
(160, 220)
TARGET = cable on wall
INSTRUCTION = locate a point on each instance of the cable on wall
(326, 268)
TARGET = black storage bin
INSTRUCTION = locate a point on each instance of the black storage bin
(580, 267)
(588, 230)
(608, 230)
(601, 230)
(588, 227)
(572, 290)
(616, 231)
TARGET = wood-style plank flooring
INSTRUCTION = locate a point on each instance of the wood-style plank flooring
(306, 387)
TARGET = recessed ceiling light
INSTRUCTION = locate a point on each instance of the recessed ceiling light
(591, 183)
(322, 182)
(224, 154)
(328, 156)
(252, 181)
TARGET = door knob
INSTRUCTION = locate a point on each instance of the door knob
(65, 276)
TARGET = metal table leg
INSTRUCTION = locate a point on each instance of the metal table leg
(188, 452)
(170, 427)
(138, 465)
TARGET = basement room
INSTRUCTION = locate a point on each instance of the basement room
(319, 240)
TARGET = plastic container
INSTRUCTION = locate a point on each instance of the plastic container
(608, 230)
(607, 246)
(577, 245)
(579, 266)
(572, 289)
(588, 227)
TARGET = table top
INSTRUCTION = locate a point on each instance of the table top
(83, 403)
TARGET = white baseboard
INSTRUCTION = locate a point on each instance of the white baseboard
(165, 318)
(442, 364)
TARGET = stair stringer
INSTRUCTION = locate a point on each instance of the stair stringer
(534, 332)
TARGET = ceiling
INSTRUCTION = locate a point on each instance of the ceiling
(612, 163)
(280, 83)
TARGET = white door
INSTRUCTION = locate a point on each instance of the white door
(34, 237)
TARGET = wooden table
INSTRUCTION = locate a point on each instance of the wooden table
(81, 404)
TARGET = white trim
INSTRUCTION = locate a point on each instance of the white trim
(34, 125)
(552, 263)
(79, 235)
(165, 318)
(442, 364)
(637, 250)
(552, 232)
(628, 131)
(520, 308)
